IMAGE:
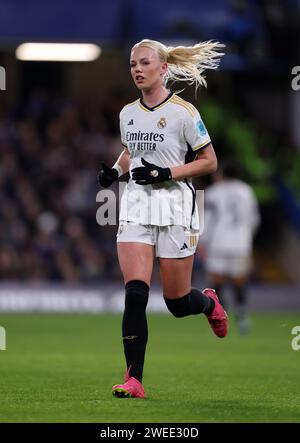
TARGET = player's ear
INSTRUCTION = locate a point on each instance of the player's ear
(164, 68)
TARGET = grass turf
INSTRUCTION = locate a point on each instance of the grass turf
(60, 368)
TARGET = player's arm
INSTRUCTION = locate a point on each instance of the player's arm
(254, 214)
(123, 162)
(198, 139)
(108, 175)
(205, 163)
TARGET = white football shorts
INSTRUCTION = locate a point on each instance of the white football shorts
(230, 265)
(169, 241)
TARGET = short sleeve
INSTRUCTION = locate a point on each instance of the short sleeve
(195, 131)
(122, 131)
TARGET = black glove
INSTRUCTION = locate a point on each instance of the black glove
(150, 173)
(107, 176)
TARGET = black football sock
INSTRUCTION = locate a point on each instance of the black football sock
(134, 326)
(192, 303)
(220, 293)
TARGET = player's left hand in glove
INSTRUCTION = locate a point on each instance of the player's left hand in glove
(150, 173)
(107, 176)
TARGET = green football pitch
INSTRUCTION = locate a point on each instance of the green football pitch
(60, 368)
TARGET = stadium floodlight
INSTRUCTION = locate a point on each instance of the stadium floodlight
(64, 52)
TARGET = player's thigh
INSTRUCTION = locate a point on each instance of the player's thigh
(176, 275)
(136, 261)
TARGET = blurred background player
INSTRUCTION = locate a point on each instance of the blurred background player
(231, 220)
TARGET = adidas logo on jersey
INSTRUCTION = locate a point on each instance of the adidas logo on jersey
(130, 123)
(185, 246)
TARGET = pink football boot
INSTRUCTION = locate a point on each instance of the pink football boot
(218, 319)
(130, 388)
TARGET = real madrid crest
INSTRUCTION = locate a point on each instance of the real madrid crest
(162, 123)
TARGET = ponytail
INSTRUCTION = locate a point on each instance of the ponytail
(187, 63)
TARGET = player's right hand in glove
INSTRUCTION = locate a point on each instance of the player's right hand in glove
(107, 176)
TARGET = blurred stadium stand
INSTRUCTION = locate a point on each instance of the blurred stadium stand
(58, 121)
(63, 20)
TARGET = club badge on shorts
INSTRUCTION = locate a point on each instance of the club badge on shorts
(121, 228)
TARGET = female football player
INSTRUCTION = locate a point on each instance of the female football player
(165, 144)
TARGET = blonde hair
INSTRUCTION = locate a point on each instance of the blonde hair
(186, 63)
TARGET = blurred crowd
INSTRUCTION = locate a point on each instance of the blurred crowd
(50, 154)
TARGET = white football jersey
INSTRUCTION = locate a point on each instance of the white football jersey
(231, 217)
(169, 134)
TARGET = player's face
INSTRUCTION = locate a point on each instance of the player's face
(146, 68)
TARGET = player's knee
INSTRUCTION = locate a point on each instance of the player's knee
(177, 306)
(136, 294)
